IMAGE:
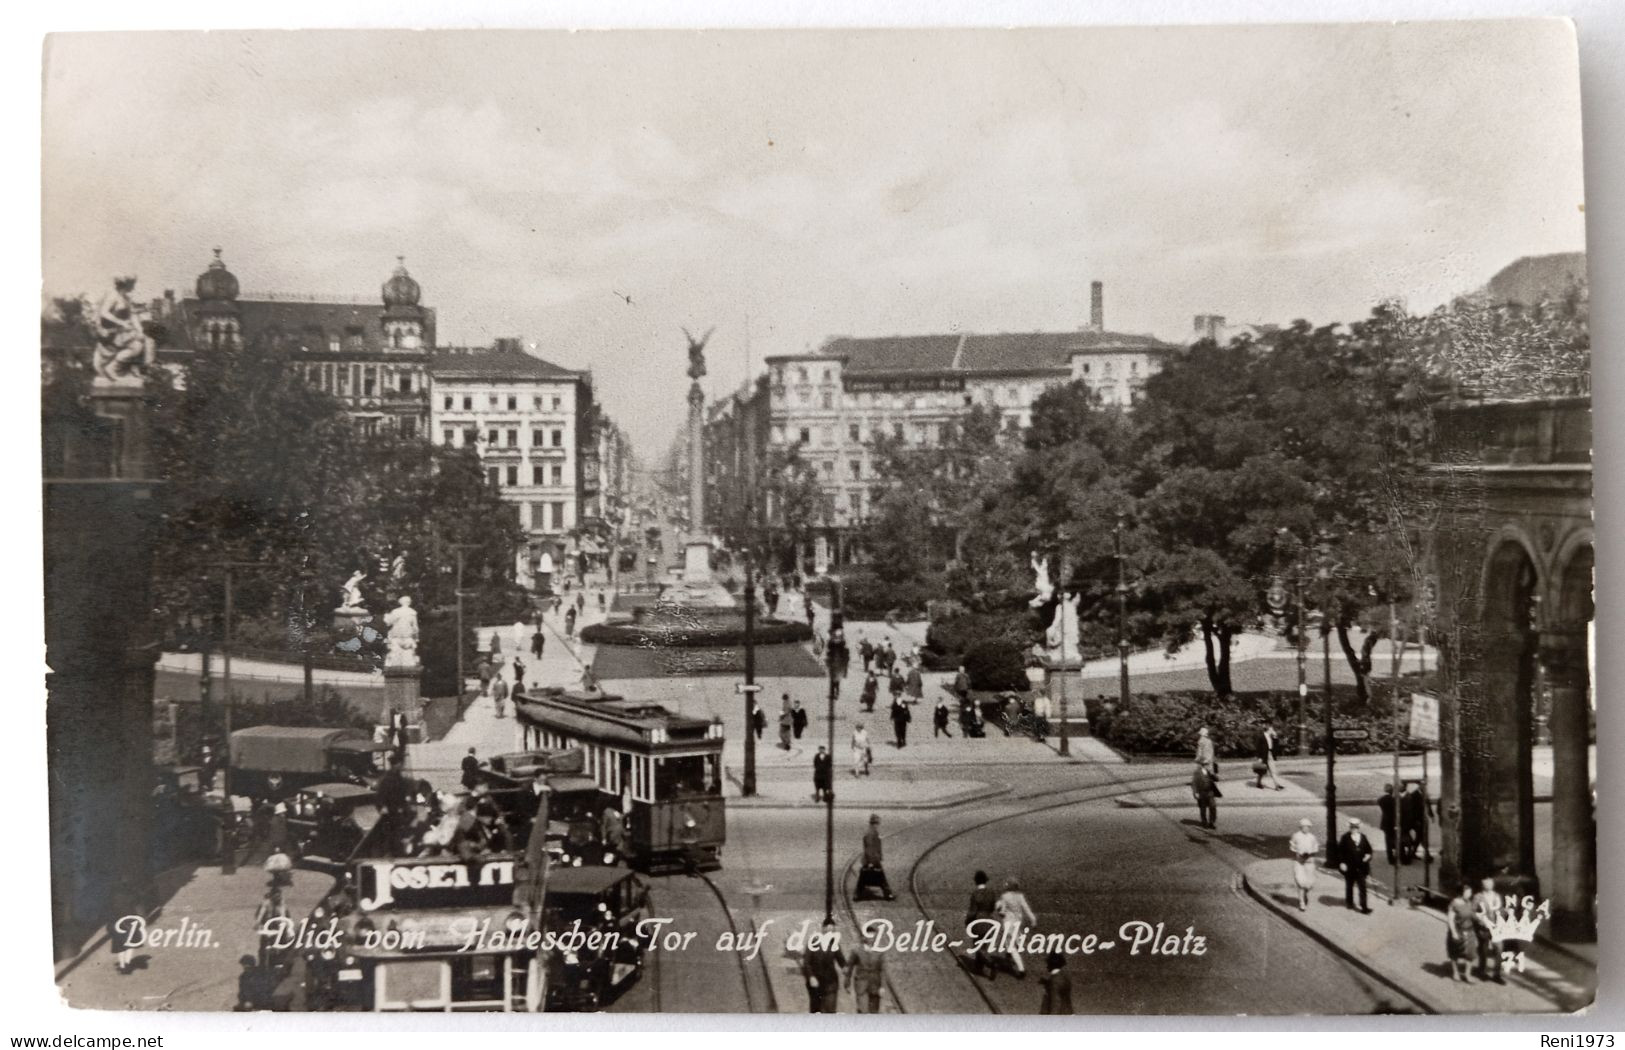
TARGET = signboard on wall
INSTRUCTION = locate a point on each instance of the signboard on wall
(1424, 718)
(903, 384)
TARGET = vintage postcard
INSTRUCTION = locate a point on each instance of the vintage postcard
(1067, 521)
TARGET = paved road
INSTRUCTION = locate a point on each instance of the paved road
(1095, 868)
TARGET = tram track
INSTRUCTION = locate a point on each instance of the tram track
(752, 1003)
(1080, 795)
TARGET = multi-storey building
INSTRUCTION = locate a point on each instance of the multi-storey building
(736, 431)
(830, 405)
(522, 415)
(371, 355)
(604, 495)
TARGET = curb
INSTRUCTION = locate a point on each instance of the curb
(1337, 949)
(1130, 802)
(987, 791)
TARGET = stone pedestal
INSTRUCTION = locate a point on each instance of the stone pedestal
(697, 564)
(350, 619)
(101, 520)
(1077, 713)
(403, 692)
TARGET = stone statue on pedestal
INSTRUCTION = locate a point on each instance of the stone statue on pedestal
(123, 349)
(352, 594)
(403, 635)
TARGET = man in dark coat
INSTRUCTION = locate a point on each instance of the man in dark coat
(798, 718)
(1057, 986)
(1206, 793)
(867, 652)
(872, 875)
(1413, 818)
(471, 770)
(758, 720)
(871, 691)
(1354, 861)
(939, 721)
(1386, 806)
(962, 684)
(538, 642)
(900, 718)
(823, 774)
(982, 903)
(821, 966)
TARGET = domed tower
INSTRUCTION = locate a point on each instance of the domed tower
(219, 324)
(403, 317)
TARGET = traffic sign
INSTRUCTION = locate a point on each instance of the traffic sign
(741, 687)
(1351, 734)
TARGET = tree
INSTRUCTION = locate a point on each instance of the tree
(973, 450)
(259, 468)
(795, 500)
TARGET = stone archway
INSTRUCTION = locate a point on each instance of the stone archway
(1565, 650)
(1497, 730)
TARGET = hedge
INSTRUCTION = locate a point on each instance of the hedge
(1167, 723)
(694, 636)
(997, 664)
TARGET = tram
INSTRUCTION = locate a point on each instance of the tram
(662, 770)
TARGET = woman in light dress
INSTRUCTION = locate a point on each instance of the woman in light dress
(860, 750)
(1305, 848)
(1014, 914)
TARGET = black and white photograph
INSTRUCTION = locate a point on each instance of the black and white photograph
(963, 521)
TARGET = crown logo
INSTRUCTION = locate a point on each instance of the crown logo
(1518, 919)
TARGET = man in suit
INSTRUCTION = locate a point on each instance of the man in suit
(1386, 806)
(471, 770)
(1354, 861)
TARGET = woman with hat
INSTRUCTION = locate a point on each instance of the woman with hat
(1305, 847)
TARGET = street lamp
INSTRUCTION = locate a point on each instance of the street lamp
(461, 549)
(1298, 646)
(228, 861)
(1122, 613)
(1065, 747)
(1323, 573)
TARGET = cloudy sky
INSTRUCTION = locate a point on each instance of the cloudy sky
(790, 187)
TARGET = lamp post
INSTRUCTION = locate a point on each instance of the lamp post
(1324, 574)
(1122, 615)
(461, 549)
(228, 861)
(1298, 643)
(837, 656)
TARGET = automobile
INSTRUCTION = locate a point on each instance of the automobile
(604, 901)
(273, 762)
(327, 822)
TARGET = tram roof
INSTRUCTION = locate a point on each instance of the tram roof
(602, 716)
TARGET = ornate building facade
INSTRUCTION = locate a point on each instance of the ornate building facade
(371, 355)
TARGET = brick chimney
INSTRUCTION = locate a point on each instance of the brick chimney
(1097, 306)
(506, 345)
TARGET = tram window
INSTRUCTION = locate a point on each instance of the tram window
(675, 777)
(476, 979)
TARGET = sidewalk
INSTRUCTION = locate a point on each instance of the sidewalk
(439, 761)
(1404, 948)
(214, 914)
